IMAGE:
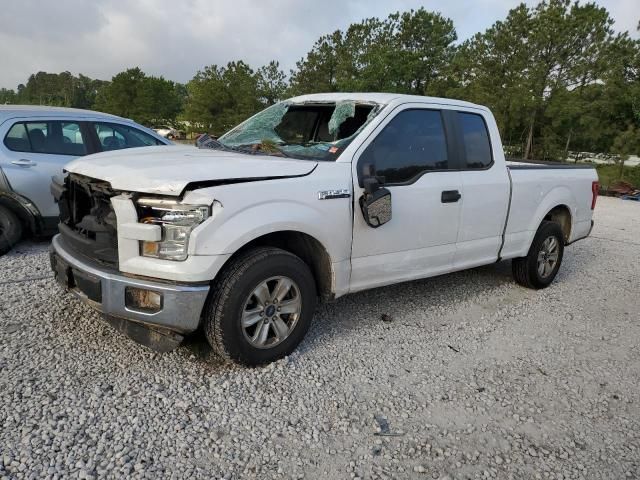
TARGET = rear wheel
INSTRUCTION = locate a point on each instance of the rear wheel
(540, 266)
(261, 307)
(10, 229)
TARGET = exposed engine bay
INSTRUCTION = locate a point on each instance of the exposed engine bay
(87, 220)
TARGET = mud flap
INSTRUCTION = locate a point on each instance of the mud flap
(160, 340)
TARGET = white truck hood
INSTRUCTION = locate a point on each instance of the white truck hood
(167, 170)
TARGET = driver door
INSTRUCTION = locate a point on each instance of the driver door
(410, 150)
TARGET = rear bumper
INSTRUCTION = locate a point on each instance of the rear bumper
(105, 290)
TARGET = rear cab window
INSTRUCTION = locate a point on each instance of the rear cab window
(56, 137)
(475, 138)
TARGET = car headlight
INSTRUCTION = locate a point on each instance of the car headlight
(177, 221)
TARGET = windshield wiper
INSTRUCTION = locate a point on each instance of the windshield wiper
(205, 141)
(262, 148)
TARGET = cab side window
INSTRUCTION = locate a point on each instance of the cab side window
(52, 137)
(412, 143)
(116, 137)
(476, 140)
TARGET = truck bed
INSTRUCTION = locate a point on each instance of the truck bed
(537, 187)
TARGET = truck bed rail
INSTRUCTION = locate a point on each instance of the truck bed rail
(520, 164)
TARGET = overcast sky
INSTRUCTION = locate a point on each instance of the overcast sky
(178, 37)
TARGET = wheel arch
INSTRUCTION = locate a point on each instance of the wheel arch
(561, 214)
(554, 205)
(303, 245)
(25, 210)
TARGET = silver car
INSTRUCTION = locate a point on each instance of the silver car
(35, 143)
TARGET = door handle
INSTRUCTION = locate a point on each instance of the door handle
(450, 196)
(23, 162)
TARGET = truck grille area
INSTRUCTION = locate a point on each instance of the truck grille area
(87, 220)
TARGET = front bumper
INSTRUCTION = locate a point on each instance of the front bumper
(104, 289)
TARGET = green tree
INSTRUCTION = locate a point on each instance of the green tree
(271, 83)
(7, 96)
(318, 71)
(521, 65)
(490, 69)
(221, 97)
(406, 52)
(60, 89)
(421, 49)
(569, 45)
(86, 91)
(145, 99)
(626, 143)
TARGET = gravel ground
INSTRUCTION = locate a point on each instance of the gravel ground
(469, 375)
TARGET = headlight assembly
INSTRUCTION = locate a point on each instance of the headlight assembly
(177, 221)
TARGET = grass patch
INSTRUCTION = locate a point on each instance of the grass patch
(610, 173)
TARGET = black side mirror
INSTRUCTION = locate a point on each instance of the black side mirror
(376, 207)
(376, 201)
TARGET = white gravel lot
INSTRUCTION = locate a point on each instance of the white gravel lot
(475, 376)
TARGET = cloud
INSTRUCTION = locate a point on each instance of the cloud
(626, 14)
(177, 38)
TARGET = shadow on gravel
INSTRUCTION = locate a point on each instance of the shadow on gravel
(409, 301)
(32, 245)
(196, 344)
(363, 309)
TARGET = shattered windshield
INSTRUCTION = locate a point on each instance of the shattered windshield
(314, 131)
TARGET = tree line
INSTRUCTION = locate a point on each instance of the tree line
(556, 75)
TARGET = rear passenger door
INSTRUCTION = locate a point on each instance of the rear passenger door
(485, 190)
(34, 150)
(410, 149)
(115, 136)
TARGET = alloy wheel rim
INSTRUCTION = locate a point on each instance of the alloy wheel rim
(271, 312)
(548, 256)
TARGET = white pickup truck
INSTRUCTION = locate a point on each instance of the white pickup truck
(312, 198)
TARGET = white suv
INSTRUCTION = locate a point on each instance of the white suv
(35, 143)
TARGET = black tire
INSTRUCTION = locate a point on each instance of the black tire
(230, 293)
(10, 230)
(525, 269)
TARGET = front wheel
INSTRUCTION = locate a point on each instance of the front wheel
(261, 307)
(540, 266)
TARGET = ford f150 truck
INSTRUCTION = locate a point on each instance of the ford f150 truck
(312, 198)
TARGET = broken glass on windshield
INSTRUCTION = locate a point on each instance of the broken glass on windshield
(317, 131)
(343, 111)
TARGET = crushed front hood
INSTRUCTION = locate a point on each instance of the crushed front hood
(167, 170)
